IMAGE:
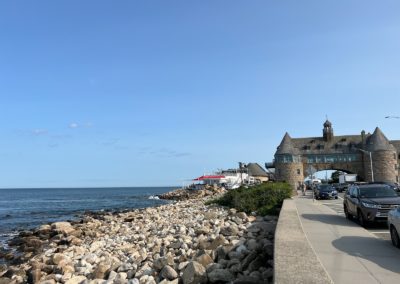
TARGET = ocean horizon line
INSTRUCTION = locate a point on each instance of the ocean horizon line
(91, 187)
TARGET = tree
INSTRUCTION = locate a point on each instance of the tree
(335, 176)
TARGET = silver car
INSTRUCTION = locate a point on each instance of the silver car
(394, 226)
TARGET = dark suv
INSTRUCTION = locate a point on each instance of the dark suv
(370, 202)
(325, 191)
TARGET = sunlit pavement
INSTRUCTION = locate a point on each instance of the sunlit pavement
(379, 230)
(348, 252)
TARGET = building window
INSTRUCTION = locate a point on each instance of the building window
(399, 156)
(298, 171)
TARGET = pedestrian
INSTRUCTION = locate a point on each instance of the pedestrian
(304, 187)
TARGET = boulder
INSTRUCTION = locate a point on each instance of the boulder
(194, 273)
(34, 275)
(101, 270)
(62, 227)
(168, 273)
(204, 259)
(220, 275)
(218, 241)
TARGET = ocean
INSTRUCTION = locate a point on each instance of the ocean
(23, 209)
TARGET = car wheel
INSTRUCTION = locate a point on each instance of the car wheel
(346, 212)
(336, 197)
(394, 236)
(361, 219)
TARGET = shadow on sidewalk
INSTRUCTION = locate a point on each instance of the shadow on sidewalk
(371, 249)
(330, 219)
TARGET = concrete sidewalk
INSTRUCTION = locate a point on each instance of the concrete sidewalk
(348, 252)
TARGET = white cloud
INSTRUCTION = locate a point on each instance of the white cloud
(38, 132)
(73, 125)
(80, 125)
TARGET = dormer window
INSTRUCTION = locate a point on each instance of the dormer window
(321, 147)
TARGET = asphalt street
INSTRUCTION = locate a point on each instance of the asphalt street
(379, 230)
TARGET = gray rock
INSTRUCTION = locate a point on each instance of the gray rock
(213, 266)
(231, 230)
(160, 262)
(168, 273)
(246, 280)
(125, 267)
(194, 273)
(269, 273)
(248, 259)
(112, 275)
(253, 244)
(220, 275)
(256, 264)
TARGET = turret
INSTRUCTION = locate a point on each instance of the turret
(288, 164)
(384, 160)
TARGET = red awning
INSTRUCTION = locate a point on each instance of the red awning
(209, 177)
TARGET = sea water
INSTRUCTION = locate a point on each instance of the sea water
(23, 209)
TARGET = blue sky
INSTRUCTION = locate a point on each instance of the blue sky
(142, 93)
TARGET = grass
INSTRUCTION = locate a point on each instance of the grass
(264, 199)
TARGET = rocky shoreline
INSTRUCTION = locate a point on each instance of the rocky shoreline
(185, 242)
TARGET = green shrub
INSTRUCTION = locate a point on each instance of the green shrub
(264, 199)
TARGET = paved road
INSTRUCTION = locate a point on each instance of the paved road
(348, 253)
(379, 230)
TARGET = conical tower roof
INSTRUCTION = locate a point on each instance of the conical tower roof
(286, 146)
(378, 141)
(327, 123)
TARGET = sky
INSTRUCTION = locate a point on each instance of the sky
(155, 93)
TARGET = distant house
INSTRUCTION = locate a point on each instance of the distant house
(257, 172)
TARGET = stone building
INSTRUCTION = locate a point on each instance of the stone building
(296, 158)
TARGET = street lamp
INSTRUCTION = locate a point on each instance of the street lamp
(370, 159)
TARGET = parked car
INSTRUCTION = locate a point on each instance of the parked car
(394, 226)
(325, 191)
(392, 185)
(340, 187)
(369, 202)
